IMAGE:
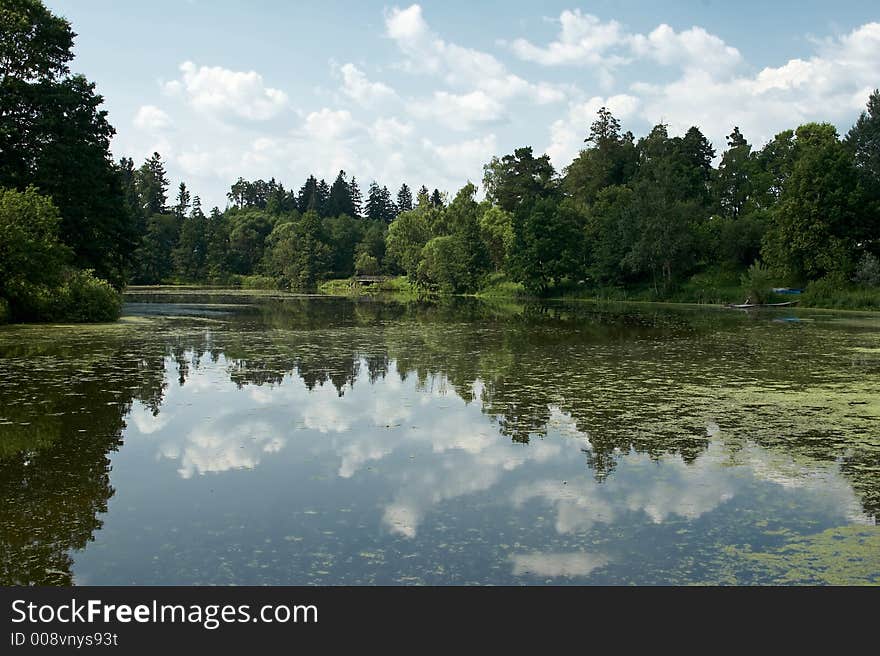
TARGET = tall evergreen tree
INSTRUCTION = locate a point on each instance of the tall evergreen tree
(404, 199)
(182, 205)
(152, 186)
(389, 209)
(340, 201)
(437, 199)
(307, 198)
(322, 197)
(356, 198)
(375, 206)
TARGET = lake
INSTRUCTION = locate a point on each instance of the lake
(257, 438)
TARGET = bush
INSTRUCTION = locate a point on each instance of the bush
(84, 298)
(756, 282)
(257, 282)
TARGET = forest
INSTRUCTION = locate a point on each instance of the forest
(660, 217)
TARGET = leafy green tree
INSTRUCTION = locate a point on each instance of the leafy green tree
(373, 241)
(379, 206)
(31, 256)
(154, 261)
(357, 199)
(322, 195)
(611, 231)
(248, 230)
(366, 265)
(407, 236)
(55, 136)
(864, 142)
(463, 216)
(423, 198)
(296, 256)
(517, 178)
(342, 234)
(496, 230)
(443, 266)
(610, 160)
(307, 198)
(547, 244)
(816, 225)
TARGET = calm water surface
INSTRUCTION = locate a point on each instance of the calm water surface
(233, 438)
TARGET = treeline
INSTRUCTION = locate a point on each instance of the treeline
(654, 214)
(267, 235)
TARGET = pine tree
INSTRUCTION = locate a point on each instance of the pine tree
(340, 201)
(356, 198)
(322, 197)
(307, 198)
(424, 196)
(152, 186)
(404, 199)
(389, 209)
(183, 200)
(375, 205)
(437, 199)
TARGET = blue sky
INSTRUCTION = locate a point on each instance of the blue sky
(428, 93)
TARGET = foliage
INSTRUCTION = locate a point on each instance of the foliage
(757, 282)
(31, 256)
(868, 271)
(407, 236)
(296, 257)
(55, 136)
(83, 298)
(547, 245)
(36, 284)
(366, 265)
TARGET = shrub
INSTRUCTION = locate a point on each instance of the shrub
(756, 282)
(84, 298)
(258, 282)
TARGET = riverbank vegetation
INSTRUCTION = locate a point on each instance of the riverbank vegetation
(662, 217)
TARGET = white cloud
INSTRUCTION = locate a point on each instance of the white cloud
(468, 155)
(221, 92)
(831, 86)
(329, 124)
(359, 88)
(459, 66)
(389, 131)
(693, 48)
(458, 111)
(583, 39)
(151, 119)
(586, 40)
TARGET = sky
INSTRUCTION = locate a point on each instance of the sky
(428, 93)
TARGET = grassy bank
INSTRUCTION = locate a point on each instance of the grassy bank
(717, 288)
